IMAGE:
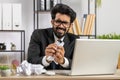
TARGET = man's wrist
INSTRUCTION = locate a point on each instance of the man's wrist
(44, 62)
(66, 63)
(48, 60)
(63, 61)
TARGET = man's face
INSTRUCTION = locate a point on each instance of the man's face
(61, 24)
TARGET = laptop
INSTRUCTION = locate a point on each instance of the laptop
(94, 57)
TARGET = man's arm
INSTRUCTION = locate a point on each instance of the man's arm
(34, 51)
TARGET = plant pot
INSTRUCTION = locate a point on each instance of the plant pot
(6, 72)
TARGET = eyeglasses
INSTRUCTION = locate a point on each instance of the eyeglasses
(64, 23)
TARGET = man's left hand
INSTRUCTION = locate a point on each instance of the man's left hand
(59, 55)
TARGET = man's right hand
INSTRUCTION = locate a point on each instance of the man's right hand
(50, 50)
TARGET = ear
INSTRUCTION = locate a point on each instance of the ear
(71, 25)
(52, 22)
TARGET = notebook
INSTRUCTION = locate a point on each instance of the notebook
(94, 57)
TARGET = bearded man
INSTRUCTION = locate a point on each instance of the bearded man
(53, 47)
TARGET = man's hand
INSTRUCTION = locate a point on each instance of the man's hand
(50, 50)
(59, 55)
(55, 51)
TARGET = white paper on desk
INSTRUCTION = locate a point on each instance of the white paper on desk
(26, 68)
(37, 69)
(29, 69)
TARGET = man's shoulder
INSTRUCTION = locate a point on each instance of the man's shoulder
(42, 32)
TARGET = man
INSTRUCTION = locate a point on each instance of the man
(44, 45)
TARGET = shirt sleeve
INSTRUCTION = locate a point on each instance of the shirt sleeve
(44, 62)
(66, 64)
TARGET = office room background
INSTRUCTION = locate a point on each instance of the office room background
(107, 18)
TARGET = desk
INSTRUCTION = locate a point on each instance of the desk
(62, 77)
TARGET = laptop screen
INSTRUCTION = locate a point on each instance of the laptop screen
(95, 56)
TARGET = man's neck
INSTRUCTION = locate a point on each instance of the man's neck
(56, 38)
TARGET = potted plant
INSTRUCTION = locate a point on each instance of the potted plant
(13, 46)
(5, 70)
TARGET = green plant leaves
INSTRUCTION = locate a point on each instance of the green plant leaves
(109, 36)
(4, 67)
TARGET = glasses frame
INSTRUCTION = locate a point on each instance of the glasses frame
(59, 22)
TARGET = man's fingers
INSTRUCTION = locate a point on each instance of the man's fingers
(52, 46)
(50, 51)
(60, 50)
(58, 55)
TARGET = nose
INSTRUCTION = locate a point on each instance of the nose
(61, 25)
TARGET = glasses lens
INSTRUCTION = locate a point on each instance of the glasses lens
(59, 22)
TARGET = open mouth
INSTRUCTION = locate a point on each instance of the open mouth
(60, 29)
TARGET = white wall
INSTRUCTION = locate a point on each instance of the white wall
(108, 16)
(44, 20)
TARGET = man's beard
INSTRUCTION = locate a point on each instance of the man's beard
(59, 34)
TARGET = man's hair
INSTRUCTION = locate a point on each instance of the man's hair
(63, 9)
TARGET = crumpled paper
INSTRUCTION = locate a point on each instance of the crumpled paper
(29, 69)
(58, 43)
